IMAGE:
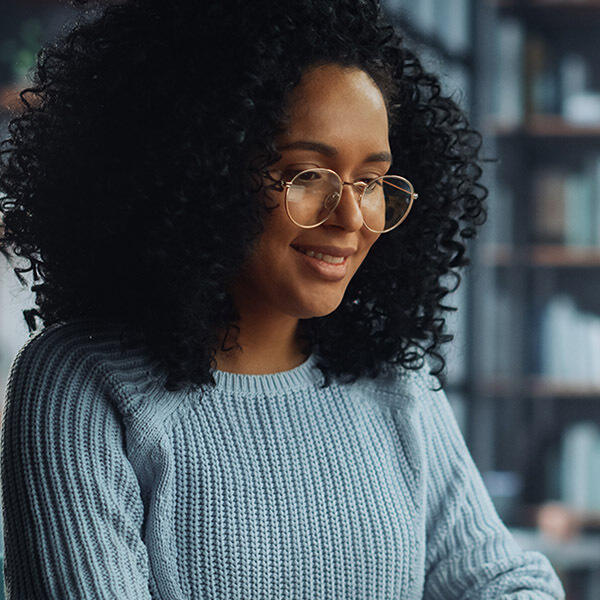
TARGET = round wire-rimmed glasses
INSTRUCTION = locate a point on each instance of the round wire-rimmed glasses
(314, 194)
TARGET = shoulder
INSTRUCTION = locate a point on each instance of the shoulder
(409, 390)
(54, 353)
(76, 359)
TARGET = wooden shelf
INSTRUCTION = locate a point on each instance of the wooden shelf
(548, 4)
(541, 387)
(542, 255)
(550, 10)
(547, 126)
(537, 386)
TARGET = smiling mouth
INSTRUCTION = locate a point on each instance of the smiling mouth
(330, 260)
(322, 268)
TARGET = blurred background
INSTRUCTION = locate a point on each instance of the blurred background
(524, 367)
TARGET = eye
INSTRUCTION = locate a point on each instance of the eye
(369, 180)
(311, 176)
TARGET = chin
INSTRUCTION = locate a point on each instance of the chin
(318, 309)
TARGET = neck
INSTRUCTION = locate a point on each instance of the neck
(266, 349)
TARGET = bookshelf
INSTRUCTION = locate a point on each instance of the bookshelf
(535, 353)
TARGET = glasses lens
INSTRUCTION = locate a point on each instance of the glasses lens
(385, 202)
(313, 195)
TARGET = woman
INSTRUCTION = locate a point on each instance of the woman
(209, 411)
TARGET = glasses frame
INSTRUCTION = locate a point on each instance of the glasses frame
(286, 185)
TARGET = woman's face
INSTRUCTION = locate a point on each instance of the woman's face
(343, 110)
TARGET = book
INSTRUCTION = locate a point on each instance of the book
(594, 333)
(424, 15)
(453, 24)
(593, 169)
(549, 205)
(579, 210)
(542, 81)
(566, 205)
(569, 342)
(574, 76)
(580, 465)
(508, 101)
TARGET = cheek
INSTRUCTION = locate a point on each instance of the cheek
(368, 245)
(274, 260)
(359, 259)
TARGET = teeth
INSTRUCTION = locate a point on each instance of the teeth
(324, 257)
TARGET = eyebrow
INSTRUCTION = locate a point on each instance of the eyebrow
(331, 151)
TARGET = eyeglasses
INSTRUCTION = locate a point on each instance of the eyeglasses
(312, 195)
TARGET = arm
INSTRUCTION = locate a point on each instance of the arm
(71, 503)
(470, 552)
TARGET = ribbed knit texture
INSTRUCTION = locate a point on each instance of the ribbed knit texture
(266, 487)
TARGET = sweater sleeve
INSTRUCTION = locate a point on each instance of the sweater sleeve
(71, 503)
(470, 552)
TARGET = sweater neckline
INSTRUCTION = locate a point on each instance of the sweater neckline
(303, 375)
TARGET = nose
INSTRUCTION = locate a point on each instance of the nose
(348, 212)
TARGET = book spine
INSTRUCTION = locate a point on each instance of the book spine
(578, 464)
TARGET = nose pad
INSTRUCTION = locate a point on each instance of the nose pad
(331, 200)
(334, 198)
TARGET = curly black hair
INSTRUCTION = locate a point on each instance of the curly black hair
(130, 177)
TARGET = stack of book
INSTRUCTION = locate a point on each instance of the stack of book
(569, 343)
(567, 204)
(578, 466)
(534, 78)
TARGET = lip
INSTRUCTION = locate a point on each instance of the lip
(332, 250)
(325, 270)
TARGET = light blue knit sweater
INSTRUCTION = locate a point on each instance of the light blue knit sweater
(266, 487)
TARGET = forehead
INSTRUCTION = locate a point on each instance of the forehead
(338, 104)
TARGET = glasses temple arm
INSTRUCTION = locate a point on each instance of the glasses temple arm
(399, 188)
